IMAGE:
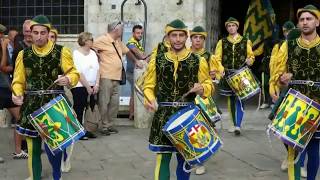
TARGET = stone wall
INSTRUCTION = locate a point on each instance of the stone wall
(159, 13)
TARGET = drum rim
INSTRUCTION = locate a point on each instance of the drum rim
(47, 106)
(173, 117)
(286, 139)
(203, 157)
(237, 71)
(303, 97)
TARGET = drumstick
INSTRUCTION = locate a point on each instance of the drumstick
(65, 73)
(187, 93)
(147, 56)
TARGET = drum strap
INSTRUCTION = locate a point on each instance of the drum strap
(41, 92)
(305, 82)
(175, 104)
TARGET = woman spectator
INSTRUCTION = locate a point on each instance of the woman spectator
(86, 61)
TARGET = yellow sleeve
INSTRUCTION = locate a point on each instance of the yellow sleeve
(154, 53)
(250, 54)
(66, 64)
(150, 81)
(216, 65)
(218, 51)
(273, 57)
(279, 67)
(19, 76)
(204, 78)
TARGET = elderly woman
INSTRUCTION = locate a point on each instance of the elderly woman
(86, 61)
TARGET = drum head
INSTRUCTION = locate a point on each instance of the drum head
(180, 119)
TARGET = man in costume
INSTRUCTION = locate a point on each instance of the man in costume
(37, 68)
(289, 33)
(233, 52)
(169, 76)
(198, 36)
(299, 70)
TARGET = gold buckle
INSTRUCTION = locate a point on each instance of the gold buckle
(310, 83)
(175, 104)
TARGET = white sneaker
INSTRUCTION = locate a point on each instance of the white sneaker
(65, 166)
(200, 170)
(1, 160)
(29, 178)
(231, 129)
(284, 165)
(237, 131)
(264, 106)
(303, 172)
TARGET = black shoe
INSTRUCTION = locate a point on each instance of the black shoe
(105, 132)
(112, 130)
(90, 135)
(237, 132)
(84, 137)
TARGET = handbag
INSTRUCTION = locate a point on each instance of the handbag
(123, 72)
(92, 117)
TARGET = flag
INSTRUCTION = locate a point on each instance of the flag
(259, 24)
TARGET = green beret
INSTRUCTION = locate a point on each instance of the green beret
(232, 20)
(176, 25)
(198, 30)
(311, 9)
(288, 25)
(41, 20)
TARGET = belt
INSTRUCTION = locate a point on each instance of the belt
(175, 104)
(305, 82)
(42, 92)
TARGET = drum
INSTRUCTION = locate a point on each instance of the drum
(296, 120)
(208, 108)
(190, 132)
(243, 83)
(57, 124)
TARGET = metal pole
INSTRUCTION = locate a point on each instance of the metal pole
(145, 20)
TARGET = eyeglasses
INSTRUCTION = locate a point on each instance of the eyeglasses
(119, 23)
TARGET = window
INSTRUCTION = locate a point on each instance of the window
(65, 15)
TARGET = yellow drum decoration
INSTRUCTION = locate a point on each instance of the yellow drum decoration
(57, 124)
(243, 83)
(296, 120)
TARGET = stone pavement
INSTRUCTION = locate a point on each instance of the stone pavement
(125, 156)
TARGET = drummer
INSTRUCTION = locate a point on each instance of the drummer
(31, 74)
(198, 36)
(233, 52)
(169, 76)
(303, 57)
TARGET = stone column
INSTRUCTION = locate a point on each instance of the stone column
(5, 118)
(142, 118)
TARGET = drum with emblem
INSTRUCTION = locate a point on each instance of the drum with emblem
(57, 124)
(296, 120)
(243, 83)
(190, 132)
(208, 108)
